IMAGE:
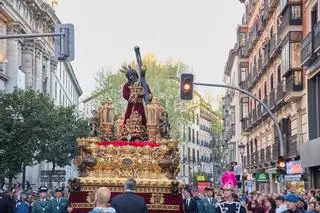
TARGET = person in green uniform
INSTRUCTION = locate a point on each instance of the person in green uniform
(43, 205)
(59, 203)
(209, 203)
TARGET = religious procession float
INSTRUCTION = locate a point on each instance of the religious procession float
(137, 145)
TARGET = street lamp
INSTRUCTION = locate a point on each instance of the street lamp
(241, 147)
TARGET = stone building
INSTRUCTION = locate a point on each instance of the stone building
(269, 66)
(196, 149)
(311, 62)
(30, 63)
(232, 126)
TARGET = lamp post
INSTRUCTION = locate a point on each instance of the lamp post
(241, 147)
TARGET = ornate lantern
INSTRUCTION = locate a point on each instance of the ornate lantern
(106, 119)
(153, 112)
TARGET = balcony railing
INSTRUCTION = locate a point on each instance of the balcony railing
(316, 37)
(254, 116)
(269, 6)
(292, 149)
(264, 111)
(306, 49)
(266, 52)
(273, 45)
(272, 99)
(290, 17)
(243, 51)
(294, 83)
(280, 92)
(268, 154)
(262, 156)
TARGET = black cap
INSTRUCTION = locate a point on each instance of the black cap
(43, 189)
(59, 189)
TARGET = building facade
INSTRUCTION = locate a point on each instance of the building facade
(30, 63)
(196, 149)
(269, 66)
(311, 63)
(232, 126)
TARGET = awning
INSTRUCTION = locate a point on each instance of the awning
(309, 153)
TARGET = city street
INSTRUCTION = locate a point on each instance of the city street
(159, 106)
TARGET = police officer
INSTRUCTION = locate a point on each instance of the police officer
(43, 205)
(209, 203)
(59, 203)
(6, 204)
(22, 205)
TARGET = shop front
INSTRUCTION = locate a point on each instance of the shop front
(293, 180)
(262, 181)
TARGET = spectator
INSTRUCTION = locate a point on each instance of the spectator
(270, 205)
(101, 199)
(311, 208)
(129, 201)
(189, 205)
(23, 205)
(317, 206)
(281, 206)
(197, 200)
(209, 203)
(292, 202)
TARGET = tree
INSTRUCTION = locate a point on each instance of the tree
(218, 148)
(60, 145)
(23, 116)
(162, 79)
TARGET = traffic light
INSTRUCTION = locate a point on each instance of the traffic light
(186, 86)
(281, 165)
(64, 44)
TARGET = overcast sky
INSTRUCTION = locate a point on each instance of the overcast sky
(198, 32)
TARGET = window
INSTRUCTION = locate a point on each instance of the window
(285, 66)
(189, 134)
(189, 153)
(265, 90)
(314, 106)
(271, 82)
(296, 12)
(279, 78)
(193, 155)
(197, 135)
(198, 155)
(184, 170)
(197, 119)
(314, 16)
(193, 139)
(295, 61)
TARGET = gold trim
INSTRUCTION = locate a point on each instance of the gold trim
(120, 189)
(150, 206)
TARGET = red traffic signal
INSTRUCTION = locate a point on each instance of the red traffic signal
(186, 86)
(281, 165)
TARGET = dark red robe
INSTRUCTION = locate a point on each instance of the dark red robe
(137, 129)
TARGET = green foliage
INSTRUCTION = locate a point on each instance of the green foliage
(23, 125)
(32, 128)
(162, 79)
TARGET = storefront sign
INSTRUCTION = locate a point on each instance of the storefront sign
(294, 167)
(262, 177)
(203, 185)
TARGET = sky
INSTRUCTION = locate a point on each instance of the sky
(198, 32)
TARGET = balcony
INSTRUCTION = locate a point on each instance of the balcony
(254, 116)
(243, 52)
(262, 157)
(273, 45)
(272, 99)
(268, 154)
(244, 124)
(259, 112)
(264, 111)
(292, 147)
(269, 7)
(294, 86)
(316, 38)
(307, 49)
(280, 92)
(266, 51)
(291, 17)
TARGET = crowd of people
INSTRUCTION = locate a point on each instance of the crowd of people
(255, 202)
(226, 199)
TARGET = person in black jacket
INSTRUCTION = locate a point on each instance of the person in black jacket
(129, 201)
(6, 203)
(189, 204)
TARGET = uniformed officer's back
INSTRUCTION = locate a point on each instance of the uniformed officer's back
(6, 204)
